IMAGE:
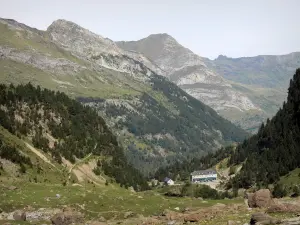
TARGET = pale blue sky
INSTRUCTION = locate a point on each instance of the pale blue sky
(230, 27)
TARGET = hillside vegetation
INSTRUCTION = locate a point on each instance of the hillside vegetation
(274, 150)
(172, 126)
(154, 120)
(63, 128)
(181, 170)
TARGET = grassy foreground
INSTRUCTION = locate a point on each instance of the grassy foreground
(95, 201)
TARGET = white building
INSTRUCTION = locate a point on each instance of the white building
(168, 181)
(203, 176)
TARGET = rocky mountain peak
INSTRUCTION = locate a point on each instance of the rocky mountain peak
(102, 51)
(220, 57)
(191, 72)
(80, 40)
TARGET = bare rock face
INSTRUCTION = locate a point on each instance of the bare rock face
(261, 199)
(191, 72)
(19, 215)
(103, 51)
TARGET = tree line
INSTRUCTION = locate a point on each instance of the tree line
(78, 130)
(275, 150)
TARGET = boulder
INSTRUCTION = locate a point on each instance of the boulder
(19, 215)
(67, 217)
(261, 199)
(262, 218)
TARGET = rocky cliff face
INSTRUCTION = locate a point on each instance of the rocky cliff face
(190, 72)
(103, 51)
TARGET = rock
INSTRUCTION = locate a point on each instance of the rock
(171, 215)
(42, 214)
(173, 222)
(176, 208)
(230, 222)
(250, 199)
(221, 205)
(19, 215)
(131, 189)
(57, 195)
(102, 219)
(29, 208)
(12, 188)
(128, 214)
(201, 199)
(262, 218)
(186, 210)
(67, 217)
(3, 216)
(165, 212)
(284, 207)
(261, 198)
(192, 218)
(291, 221)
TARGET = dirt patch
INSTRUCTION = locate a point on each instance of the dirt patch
(39, 154)
(85, 171)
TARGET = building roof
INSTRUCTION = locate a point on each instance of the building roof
(167, 179)
(203, 172)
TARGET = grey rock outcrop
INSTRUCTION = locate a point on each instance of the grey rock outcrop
(19, 215)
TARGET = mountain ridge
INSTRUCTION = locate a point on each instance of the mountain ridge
(221, 83)
(129, 95)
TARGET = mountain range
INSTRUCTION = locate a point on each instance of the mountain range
(146, 90)
(244, 90)
(155, 121)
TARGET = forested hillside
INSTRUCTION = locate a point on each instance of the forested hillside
(62, 127)
(182, 170)
(166, 126)
(275, 150)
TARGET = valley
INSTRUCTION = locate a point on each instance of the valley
(94, 131)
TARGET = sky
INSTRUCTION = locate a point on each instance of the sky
(235, 28)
